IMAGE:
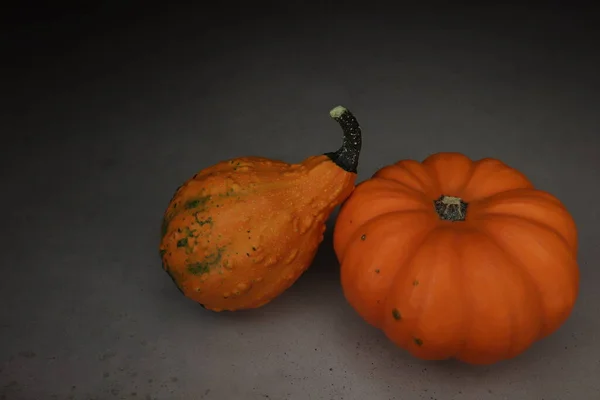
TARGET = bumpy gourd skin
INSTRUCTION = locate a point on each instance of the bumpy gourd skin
(241, 232)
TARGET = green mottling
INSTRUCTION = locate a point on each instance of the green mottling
(363, 237)
(377, 271)
(182, 242)
(196, 203)
(200, 268)
(253, 248)
(396, 314)
(418, 342)
(415, 283)
(202, 222)
(162, 252)
(164, 228)
(228, 193)
(210, 261)
(190, 232)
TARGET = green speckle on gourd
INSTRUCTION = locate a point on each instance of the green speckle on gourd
(182, 242)
(196, 203)
(418, 342)
(204, 266)
(396, 314)
(202, 222)
(164, 227)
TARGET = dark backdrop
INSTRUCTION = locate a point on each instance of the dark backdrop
(107, 109)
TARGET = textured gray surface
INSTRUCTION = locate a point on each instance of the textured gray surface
(106, 130)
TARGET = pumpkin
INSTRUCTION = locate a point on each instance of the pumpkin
(239, 233)
(455, 258)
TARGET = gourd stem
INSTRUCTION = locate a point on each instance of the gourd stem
(346, 157)
(449, 208)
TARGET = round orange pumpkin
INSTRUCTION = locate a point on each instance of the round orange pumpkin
(455, 258)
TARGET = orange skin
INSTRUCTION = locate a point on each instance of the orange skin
(241, 232)
(479, 290)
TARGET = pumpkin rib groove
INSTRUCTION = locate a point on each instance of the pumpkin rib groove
(528, 193)
(382, 205)
(395, 278)
(503, 179)
(391, 172)
(467, 324)
(512, 322)
(471, 174)
(436, 184)
(398, 183)
(528, 219)
(449, 170)
(538, 206)
(395, 185)
(466, 184)
(356, 234)
(427, 301)
(510, 304)
(532, 222)
(510, 254)
(508, 195)
(521, 269)
(358, 270)
(422, 304)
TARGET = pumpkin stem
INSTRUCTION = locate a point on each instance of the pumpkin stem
(451, 208)
(346, 157)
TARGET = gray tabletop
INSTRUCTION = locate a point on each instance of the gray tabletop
(106, 123)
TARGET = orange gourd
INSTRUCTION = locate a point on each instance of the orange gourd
(239, 233)
(454, 258)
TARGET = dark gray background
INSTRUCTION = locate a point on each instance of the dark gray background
(108, 115)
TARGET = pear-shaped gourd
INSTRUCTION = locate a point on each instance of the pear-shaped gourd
(239, 233)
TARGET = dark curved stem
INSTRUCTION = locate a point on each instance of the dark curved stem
(346, 157)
